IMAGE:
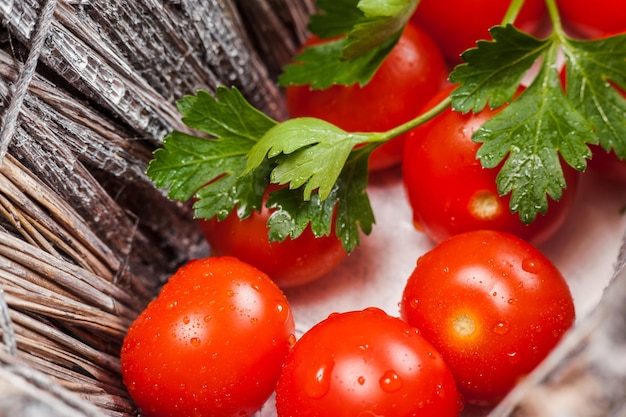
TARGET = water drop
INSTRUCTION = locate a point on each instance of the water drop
(254, 320)
(390, 381)
(512, 300)
(513, 358)
(292, 339)
(501, 328)
(361, 380)
(531, 265)
(318, 383)
(414, 302)
(230, 293)
(207, 318)
(194, 341)
(186, 320)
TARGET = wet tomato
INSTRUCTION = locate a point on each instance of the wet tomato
(288, 263)
(211, 344)
(493, 305)
(365, 363)
(456, 25)
(449, 190)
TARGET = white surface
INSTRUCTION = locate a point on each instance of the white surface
(585, 250)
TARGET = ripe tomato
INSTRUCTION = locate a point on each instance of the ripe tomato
(450, 192)
(456, 25)
(365, 363)
(412, 73)
(606, 16)
(607, 164)
(288, 263)
(493, 306)
(211, 344)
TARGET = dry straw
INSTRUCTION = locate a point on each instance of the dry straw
(87, 92)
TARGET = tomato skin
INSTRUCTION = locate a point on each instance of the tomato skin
(289, 263)
(362, 363)
(456, 25)
(607, 164)
(412, 73)
(606, 16)
(450, 192)
(211, 344)
(493, 305)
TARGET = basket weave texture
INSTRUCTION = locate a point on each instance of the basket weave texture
(87, 92)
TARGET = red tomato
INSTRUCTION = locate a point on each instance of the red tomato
(289, 263)
(493, 306)
(412, 73)
(365, 363)
(450, 192)
(604, 16)
(211, 344)
(607, 164)
(456, 25)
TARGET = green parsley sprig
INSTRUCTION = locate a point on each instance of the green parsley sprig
(325, 172)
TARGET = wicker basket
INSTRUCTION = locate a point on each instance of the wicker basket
(87, 89)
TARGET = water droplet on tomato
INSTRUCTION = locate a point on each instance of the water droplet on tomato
(513, 358)
(361, 380)
(292, 339)
(414, 303)
(318, 383)
(391, 381)
(186, 320)
(230, 293)
(531, 265)
(255, 287)
(254, 320)
(194, 341)
(501, 328)
(512, 300)
(207, 318)
(172, 305)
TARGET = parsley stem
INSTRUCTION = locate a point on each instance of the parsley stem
(512, 12)
(555, 18)
(419, 120)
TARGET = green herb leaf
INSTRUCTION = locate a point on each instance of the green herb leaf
(307, 151)
(594, 68)
(531, 133)
(372, 28)
(347, 203)
(494, 69)
(212, 167)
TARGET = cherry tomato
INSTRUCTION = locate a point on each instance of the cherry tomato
(492, 304)
(211, 344)
(456, 25)
(450, 192)
(412, 73)
(607, 164)
(605, 16)
(365, 363)
(289, 263)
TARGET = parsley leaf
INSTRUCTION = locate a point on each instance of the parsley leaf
(529, 133)
(543, 124)
(317, 152)
(372, 28)
(211, 167)
(347, 203)
(494, 69)
(591, 68)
